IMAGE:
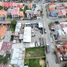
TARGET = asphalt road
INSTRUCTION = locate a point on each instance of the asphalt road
(50, 56)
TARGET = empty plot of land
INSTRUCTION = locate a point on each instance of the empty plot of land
(36, 52)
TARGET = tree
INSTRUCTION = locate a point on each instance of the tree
(50, 25)
(1, 59)
(13, 25)
(12, 37)
(4, 59)
(9, 16)
(26, 8)
(1, 7)
(65, 65)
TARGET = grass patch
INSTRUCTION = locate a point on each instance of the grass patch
(36, 52)
(33, 56)
(32, 62)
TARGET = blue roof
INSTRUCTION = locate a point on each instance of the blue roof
(53, 14)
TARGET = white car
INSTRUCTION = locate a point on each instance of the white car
(47, 48)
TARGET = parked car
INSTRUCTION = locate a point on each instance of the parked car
(47, 48)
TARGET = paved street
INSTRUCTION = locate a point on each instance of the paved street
(50, 56)
(29, 21)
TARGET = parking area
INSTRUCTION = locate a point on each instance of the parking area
(36, 34)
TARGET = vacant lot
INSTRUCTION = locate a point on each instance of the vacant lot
(35, 56)
(36, 52)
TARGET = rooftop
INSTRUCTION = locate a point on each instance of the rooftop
(3, 30)
(57, 10)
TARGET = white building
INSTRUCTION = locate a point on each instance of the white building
(18, 26)
(18, 54)
(27, 34)
(40, 25)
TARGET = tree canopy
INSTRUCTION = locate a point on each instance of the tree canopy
(13, 25)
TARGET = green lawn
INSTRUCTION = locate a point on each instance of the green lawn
(35, 52)
(34, 55)
(32, 62)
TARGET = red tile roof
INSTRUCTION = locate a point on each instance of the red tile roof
(2, 31)
(3, 13)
